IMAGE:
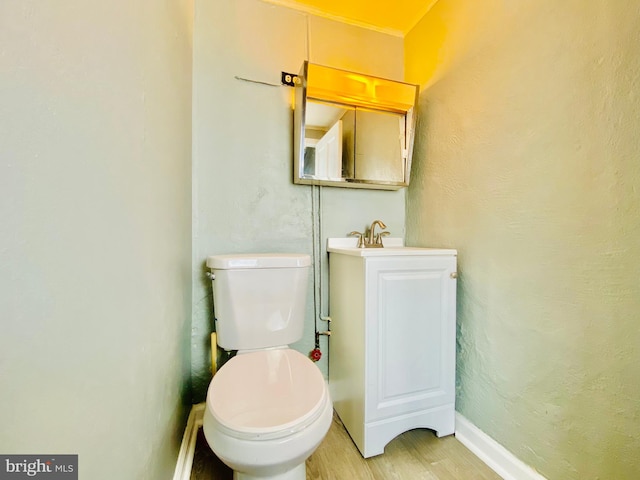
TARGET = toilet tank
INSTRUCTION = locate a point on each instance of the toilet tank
(259, 300)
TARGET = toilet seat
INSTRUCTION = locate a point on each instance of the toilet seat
(267, 394)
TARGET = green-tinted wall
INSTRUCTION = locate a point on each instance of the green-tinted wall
(244, 199)
(528, 162)
(95, 238)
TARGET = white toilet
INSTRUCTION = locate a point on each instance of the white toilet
(268, 408)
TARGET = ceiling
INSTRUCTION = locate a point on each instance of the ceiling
(396, 17)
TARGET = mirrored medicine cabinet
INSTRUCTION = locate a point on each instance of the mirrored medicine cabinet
(352, 130)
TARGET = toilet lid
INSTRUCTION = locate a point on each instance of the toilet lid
(267, 394)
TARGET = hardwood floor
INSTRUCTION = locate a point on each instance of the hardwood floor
(417, 454)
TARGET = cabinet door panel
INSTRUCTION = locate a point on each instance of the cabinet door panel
(412, 355)
(409, 327)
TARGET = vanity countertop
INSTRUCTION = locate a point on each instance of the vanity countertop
(393, 246)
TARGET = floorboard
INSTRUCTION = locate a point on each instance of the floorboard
(416, 454)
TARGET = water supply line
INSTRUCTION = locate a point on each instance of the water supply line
(324, 318)
(316, 231)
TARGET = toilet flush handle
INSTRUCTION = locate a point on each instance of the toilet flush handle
(210, 276)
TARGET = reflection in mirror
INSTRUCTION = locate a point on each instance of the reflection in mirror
(328, 140)
(380, 146)
(352, 130)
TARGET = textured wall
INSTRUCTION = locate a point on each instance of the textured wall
(528, 162)
(244, 199)
(95, 141)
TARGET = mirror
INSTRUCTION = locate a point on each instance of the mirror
(352, 130)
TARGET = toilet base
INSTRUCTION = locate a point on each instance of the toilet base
(297, 473)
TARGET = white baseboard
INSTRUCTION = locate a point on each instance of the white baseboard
(188, 446)
(498, 458)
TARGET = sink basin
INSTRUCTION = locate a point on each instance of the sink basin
(393, 246)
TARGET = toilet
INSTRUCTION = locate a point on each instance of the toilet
(268, 408)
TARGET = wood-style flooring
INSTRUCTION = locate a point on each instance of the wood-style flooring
(417, 454)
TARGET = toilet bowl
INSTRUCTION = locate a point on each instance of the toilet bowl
(266, 413)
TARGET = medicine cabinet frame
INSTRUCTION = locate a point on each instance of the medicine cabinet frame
(370, 146)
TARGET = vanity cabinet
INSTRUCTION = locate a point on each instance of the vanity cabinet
(392, 344)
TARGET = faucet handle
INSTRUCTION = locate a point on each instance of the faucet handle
(380, 235)
(360, 238)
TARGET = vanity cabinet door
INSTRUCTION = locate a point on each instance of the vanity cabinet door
(410, 335)
(392, 345)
